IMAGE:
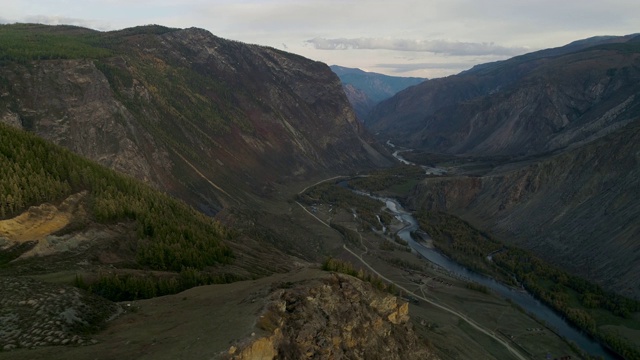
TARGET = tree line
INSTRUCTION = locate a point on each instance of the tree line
(345, 267)
(26, 42)
(171, 234)
(128, 286)
(579, 300)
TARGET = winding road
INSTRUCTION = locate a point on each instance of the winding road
(442, 307)
(320, 182)
(429, 301)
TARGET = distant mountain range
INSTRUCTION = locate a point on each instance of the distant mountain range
(366, 89)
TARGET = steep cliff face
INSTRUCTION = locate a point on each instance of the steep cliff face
(338, 317)
(578, 209)
(359, 100)
(210, 120)
(71, 103)
(531, 104)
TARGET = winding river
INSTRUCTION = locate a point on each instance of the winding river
(522, 298)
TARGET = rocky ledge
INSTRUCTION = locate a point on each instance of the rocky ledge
(338, 317)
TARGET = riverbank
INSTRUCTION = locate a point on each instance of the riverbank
(454, 338)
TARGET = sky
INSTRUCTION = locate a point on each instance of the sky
(423, 38)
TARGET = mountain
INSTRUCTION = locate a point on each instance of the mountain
(236, 130)
(554, 136)
(365, 89)
(64, 217)
(222, 125)
(577, 209)
(71, 213)
(212, 121)
(530, 104)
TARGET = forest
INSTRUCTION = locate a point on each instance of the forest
(171, 235)
(399, 179)
(583, 303)
(24, 42)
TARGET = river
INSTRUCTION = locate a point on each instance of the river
(428, 169)
(520, 297)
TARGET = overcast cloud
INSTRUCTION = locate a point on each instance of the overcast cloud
(432, 46)
(403, 68)
(393, 37)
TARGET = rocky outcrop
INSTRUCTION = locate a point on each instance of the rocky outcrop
(578, 209)
(213, 121)
(34, 313)
(70, 103)
(339, 317)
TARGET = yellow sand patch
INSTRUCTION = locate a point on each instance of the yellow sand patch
(35, 223)
(38, 222)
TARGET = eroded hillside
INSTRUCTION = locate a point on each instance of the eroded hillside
(531, 104)
(212, 121)
(578, 209)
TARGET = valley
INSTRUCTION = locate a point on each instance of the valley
(560, 319)
(166, 193)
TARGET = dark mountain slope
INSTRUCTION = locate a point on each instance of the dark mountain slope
(60, 212)
(530, 104)
(570, 117)
(64, 217)
(365, 89)
(578, 209)
(212, 121)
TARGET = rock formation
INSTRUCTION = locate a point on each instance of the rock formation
(339, 317)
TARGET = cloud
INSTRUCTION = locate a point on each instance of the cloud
(413, 67)
(445, 47)
(402, 68)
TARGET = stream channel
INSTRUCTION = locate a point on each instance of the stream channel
(525, 300)
(520, 297)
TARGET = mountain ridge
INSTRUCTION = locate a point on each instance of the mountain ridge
(562, 207)
(186, 110)
(523, 106)
(555, 134)
(366, 89)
